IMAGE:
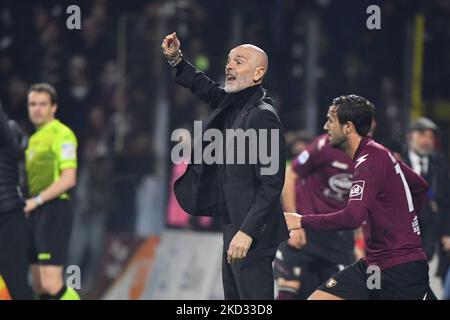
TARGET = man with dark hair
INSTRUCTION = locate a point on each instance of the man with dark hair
(13, 233)
(384, 197)
(51, 165)
(318, 180)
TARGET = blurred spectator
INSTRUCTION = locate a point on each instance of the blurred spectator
(16, 101)
(98, 171)
(79, 96)
(109, 81)
(425, 160)
(52, 50)
(296, 142)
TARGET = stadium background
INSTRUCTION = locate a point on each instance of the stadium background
(130, 238)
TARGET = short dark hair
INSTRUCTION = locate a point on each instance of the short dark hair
(45, 87)
(357, 110)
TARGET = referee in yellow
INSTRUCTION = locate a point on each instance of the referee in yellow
(51, 165)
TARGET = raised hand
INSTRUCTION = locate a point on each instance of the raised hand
(171, 46)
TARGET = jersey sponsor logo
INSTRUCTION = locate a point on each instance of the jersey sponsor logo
(68, 151)
(357, 190)
(361, 160)
(341, 183)
(339, 165)
(331, 283)
(303, 157)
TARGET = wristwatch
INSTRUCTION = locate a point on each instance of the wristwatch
(39, 200)
(176, 60)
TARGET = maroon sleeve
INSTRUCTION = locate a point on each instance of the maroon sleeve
(366, 184)
(190, 77)
(417, 185)
(349, 218)
(311, 158)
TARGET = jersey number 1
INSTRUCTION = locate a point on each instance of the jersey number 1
(399, 171)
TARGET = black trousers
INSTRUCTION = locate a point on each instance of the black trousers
(14, 264)
(252, 277)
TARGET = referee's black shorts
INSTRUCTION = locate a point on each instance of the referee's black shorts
(51, 225)
(13, 254)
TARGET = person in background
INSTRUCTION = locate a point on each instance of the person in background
(424, 158)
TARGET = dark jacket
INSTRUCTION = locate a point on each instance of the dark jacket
(10, 195)
(252, 200)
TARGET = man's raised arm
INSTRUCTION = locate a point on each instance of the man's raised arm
(190, 77)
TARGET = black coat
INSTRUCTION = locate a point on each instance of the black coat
(252, 199)
(10, 196)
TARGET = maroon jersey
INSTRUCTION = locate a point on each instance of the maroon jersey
(325, 179)
(385, 198)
